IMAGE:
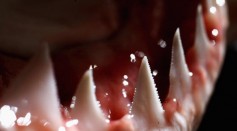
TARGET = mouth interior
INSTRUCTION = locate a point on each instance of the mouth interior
(116, 59)
(142, 28)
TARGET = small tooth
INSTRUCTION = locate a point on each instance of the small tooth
(201, 39)
(147, 110)
(180, 81)
(87, 109)
(34, 91)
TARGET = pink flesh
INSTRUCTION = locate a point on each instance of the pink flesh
(115, 63)
(137, 22)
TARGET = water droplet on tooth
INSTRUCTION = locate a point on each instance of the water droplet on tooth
(220, 2)
(86, 109)
(7, 117)
(212, 9)
(147, 110)
(202, 42)
(34, 91)
(180, 81)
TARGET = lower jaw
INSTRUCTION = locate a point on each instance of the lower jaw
(183, 97)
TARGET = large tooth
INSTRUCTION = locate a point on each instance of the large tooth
(202, 49)
(180, 81)
(34, 91)
(86, 108)
(202, 42)
(147, 110)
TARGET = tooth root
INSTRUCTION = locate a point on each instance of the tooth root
(147, 108)
(180, 81)
(202, 42)
(34, 91)
(87, 109)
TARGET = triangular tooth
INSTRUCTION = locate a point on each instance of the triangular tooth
(202, 42)
(180, 81)
(34, 91)
(147, 110)
(87, 109)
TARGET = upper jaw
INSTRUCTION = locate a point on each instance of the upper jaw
(188, 95)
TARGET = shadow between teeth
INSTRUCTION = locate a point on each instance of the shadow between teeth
(34, 91)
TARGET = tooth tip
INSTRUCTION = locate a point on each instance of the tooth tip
(177, 32)
(145, 69)
(86, 106)
(201, 39)
(150, 109)
(145, 60)
(199, 7)
(178, 69)
(88, 75)
(86, 83)
(177, 39)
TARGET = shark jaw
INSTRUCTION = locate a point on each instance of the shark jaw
(33, 103)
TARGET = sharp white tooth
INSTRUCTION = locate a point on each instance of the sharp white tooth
(147, 110)
(180, 81)
(202, 42)
(34, 91)
(87, 109)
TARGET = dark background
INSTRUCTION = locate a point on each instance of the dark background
(221, 113)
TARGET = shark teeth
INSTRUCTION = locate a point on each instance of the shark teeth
(34, 91)
(34, 94)
(180, 81)
(202, 49)
(87, 109)
(202, 43)
(147, 110)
